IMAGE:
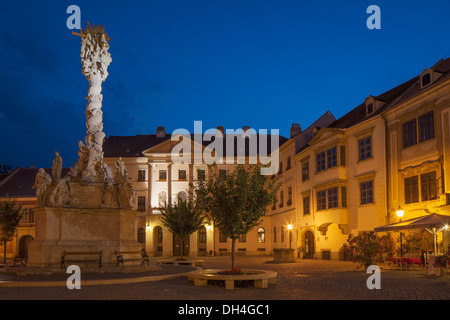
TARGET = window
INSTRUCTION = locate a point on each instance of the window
(222, 237)
(342, 155)
(289, 202)
(182, 196)
(370, 108)
(306, 206)
(332, 198)
(141, 175)
(344, 196)
(261, 236)
(331, 157)
(162, 175)
(202, 235)
(28, 216)
(274, 234)
(365, 148)
(222, 174)
(426, 127)
(162, 199)
(159, 235)
(141, 235)
(411, 189)
(141, 203)
(366, 192)
(182, 175)
(274, 203)
(281, 199)
(305, 171)
(320, 161)
(282, 234)
(288, 163)
(321, 200)
(243, 237)
(428, 186)
(426, 79)
(409, 133)
(280, 171)
(201, 174)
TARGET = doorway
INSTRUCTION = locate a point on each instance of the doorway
(309, 245)
(23, 245)
(176, 246)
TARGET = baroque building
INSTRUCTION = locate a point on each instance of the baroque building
(389, 154)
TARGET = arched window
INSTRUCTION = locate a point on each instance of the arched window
(261, 235)
(182, 196)
(162, 199)
(141, 235)
(159, 233)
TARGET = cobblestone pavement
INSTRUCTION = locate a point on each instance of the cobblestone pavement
(301, 280)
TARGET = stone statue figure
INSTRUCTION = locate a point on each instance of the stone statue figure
(57, 167)
(60, 194)
(41, 183)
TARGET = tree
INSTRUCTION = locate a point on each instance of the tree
(5, 168)
(10, 215)
(367, 248)
(182, 219)
(237, 202)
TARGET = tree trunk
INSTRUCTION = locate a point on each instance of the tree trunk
(233, 255)
(181, 248)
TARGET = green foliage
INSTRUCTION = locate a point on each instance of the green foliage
(236, 203)
(366, 248)
(411, 243)
(182, 219)
(443, 260)
(10, 215)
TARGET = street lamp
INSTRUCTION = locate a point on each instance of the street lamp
(400, 214)
(290, 234)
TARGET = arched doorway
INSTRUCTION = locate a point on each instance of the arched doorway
(309, 245)
(176, 246)
(201, 236)
(23, 245)
(158, 241)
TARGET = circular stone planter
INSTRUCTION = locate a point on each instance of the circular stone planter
(260, 278)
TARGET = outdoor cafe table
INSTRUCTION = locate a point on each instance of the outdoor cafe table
(407, 260)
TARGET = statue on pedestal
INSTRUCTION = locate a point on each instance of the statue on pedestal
(90, 179)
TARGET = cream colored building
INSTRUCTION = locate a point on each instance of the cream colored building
(158, 180)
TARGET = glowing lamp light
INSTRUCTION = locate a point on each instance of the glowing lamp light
(208, 227)
(148, 226)
(400, 213)
(289, 226)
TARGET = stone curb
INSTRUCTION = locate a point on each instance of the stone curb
(17, 284)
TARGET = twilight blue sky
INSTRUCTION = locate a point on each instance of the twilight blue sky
(265, 64)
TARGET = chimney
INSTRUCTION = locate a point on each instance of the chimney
(245, 128)
(160, 132)
(295, 129)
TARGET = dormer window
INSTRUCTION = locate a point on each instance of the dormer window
(428, 76)
(372, 105)
(426, 79)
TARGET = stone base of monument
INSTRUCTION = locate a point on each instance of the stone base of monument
(283, 255)
(82, 230)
